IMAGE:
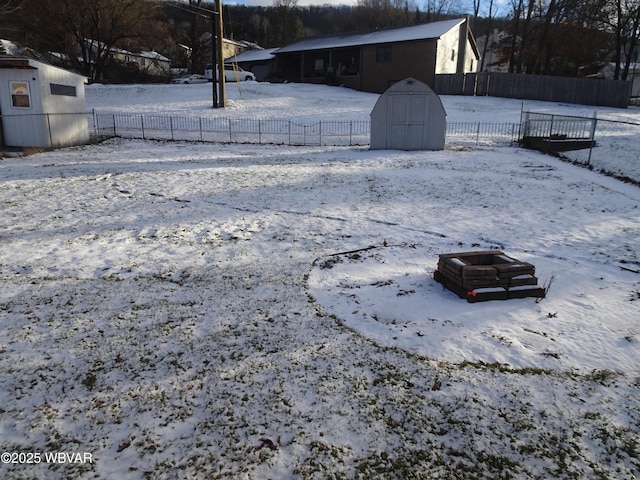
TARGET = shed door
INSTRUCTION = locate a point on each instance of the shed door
(407, 121)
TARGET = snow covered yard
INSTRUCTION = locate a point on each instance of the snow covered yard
(188, 311)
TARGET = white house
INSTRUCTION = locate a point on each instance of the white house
(149, 62)
(41, 105)
(608, 70)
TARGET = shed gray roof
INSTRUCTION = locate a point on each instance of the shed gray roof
(400, 34)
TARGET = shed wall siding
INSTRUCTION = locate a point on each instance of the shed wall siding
(50, 120)
(60, 103)
(22, 126)
(408, 116)
(68, 123)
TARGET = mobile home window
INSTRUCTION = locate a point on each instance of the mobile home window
(383, 54)
(20, 95)
(66, 90)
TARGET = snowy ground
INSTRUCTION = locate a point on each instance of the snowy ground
(184, 310)
(617, 130)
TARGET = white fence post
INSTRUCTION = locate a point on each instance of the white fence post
(95, 123)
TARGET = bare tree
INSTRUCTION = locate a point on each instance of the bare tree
(440, 7)
(197, 36)
(8, 9)
(625, 15)
(488, 30)
(86, 31)
(285, 22)
(260, 27)
(9, 6)
(388, 13)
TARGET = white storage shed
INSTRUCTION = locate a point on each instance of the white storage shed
(408, 116)
(41, 105)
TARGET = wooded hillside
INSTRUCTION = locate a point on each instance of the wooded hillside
(550, 37)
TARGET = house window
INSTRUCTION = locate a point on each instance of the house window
(66, 90)
(383, 54)
(453, 55)
(20, 97)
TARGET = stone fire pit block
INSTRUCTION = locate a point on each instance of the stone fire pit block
(487, 275)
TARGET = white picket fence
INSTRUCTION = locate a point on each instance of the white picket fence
(274, 130)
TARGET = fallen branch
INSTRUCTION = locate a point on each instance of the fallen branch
(370, 247)
(546, 288)
(629, 269)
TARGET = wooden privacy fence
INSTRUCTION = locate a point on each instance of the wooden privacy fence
(582, 91)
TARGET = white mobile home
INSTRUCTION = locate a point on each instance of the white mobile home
(41, 105)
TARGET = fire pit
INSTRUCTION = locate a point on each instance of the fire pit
(487, 275)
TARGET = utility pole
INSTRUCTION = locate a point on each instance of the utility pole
(214, 61)
(222, 98)
(218, 93)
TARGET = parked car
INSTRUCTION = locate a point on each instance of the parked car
(231, 74)
(195, 78)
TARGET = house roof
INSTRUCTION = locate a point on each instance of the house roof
(392, 35)
(94, 44)
(153, 55)
(253, 55)
(142, 54)
(22, 62)
(7, 47)
(11, 61)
